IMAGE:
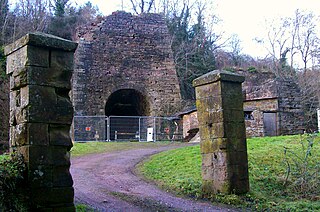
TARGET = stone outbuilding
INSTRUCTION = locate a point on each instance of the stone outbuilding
(124, 66)
(272, 106)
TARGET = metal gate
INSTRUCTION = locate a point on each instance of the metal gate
(126, 128)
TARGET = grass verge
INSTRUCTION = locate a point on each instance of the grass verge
(179, 171)
(80, 149)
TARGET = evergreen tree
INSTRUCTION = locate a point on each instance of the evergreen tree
(193, 50)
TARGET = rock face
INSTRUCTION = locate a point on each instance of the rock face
(40, 69)
(124, 66)
(222, 132)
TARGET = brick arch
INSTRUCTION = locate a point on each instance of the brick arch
(127, 102)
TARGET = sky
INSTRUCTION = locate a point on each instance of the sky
(245, 18)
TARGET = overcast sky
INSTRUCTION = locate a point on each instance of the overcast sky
(243, 17)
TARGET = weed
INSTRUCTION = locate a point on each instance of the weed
(83, 208)
(303, 169)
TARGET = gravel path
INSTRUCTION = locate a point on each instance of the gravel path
(107, 182)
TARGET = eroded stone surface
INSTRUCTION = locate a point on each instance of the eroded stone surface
(124, 51)
(222, 132)
(40, 68)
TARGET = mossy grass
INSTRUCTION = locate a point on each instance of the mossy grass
(179, 171)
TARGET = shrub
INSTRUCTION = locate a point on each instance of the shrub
(12, 184)
(252, 69)
(303, 170)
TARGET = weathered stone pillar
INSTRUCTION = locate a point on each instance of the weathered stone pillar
(40, 68)
(222, 132)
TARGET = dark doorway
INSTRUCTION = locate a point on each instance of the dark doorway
(270, 123)
(126, 102)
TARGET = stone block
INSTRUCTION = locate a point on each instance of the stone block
(238, 158)
(237, 144)
(208, 90)
(241, 186)
(29, 134)
(61, 177)
(42, 105)
(40, 177)
(61, 60)
(18, 135)
(207, 173)
(233, 115)
(231, 90)
(207, 159)
(54, 197)
(60, 156)
(235, 130)
(27, 56)
(60, 135)
(209, 131)
(53, 77)
(209, 110)
(45, 155)
(41, 40)
(220, 158)
(217, 76)
(213, 145)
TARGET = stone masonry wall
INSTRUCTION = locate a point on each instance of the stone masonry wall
(255, 127)
(40, 69)
(123, 51)
(4, 114)
(264, 92)
(291, 115)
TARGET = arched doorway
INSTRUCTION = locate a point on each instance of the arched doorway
(124, 109)
(126, 102)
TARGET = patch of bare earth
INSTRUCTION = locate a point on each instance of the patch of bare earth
(107, 182)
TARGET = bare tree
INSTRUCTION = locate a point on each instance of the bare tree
(31, 15)
(307, 39)
(142, 6)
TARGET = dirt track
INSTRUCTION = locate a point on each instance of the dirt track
(107, 182)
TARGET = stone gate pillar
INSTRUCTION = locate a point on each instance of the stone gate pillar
(40, 68)
(222, 132)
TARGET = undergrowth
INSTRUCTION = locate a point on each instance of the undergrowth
(12, 184)
(303, 170)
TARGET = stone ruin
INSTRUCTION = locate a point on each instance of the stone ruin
(124, 66)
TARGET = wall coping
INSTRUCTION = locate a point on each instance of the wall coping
(41, 40)
(217, 75)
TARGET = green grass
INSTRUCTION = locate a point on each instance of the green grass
(80, 149)
(3, 157)
(83, 208)
(180, 171)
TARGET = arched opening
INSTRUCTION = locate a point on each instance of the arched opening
(126, 102)
(130, 105)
